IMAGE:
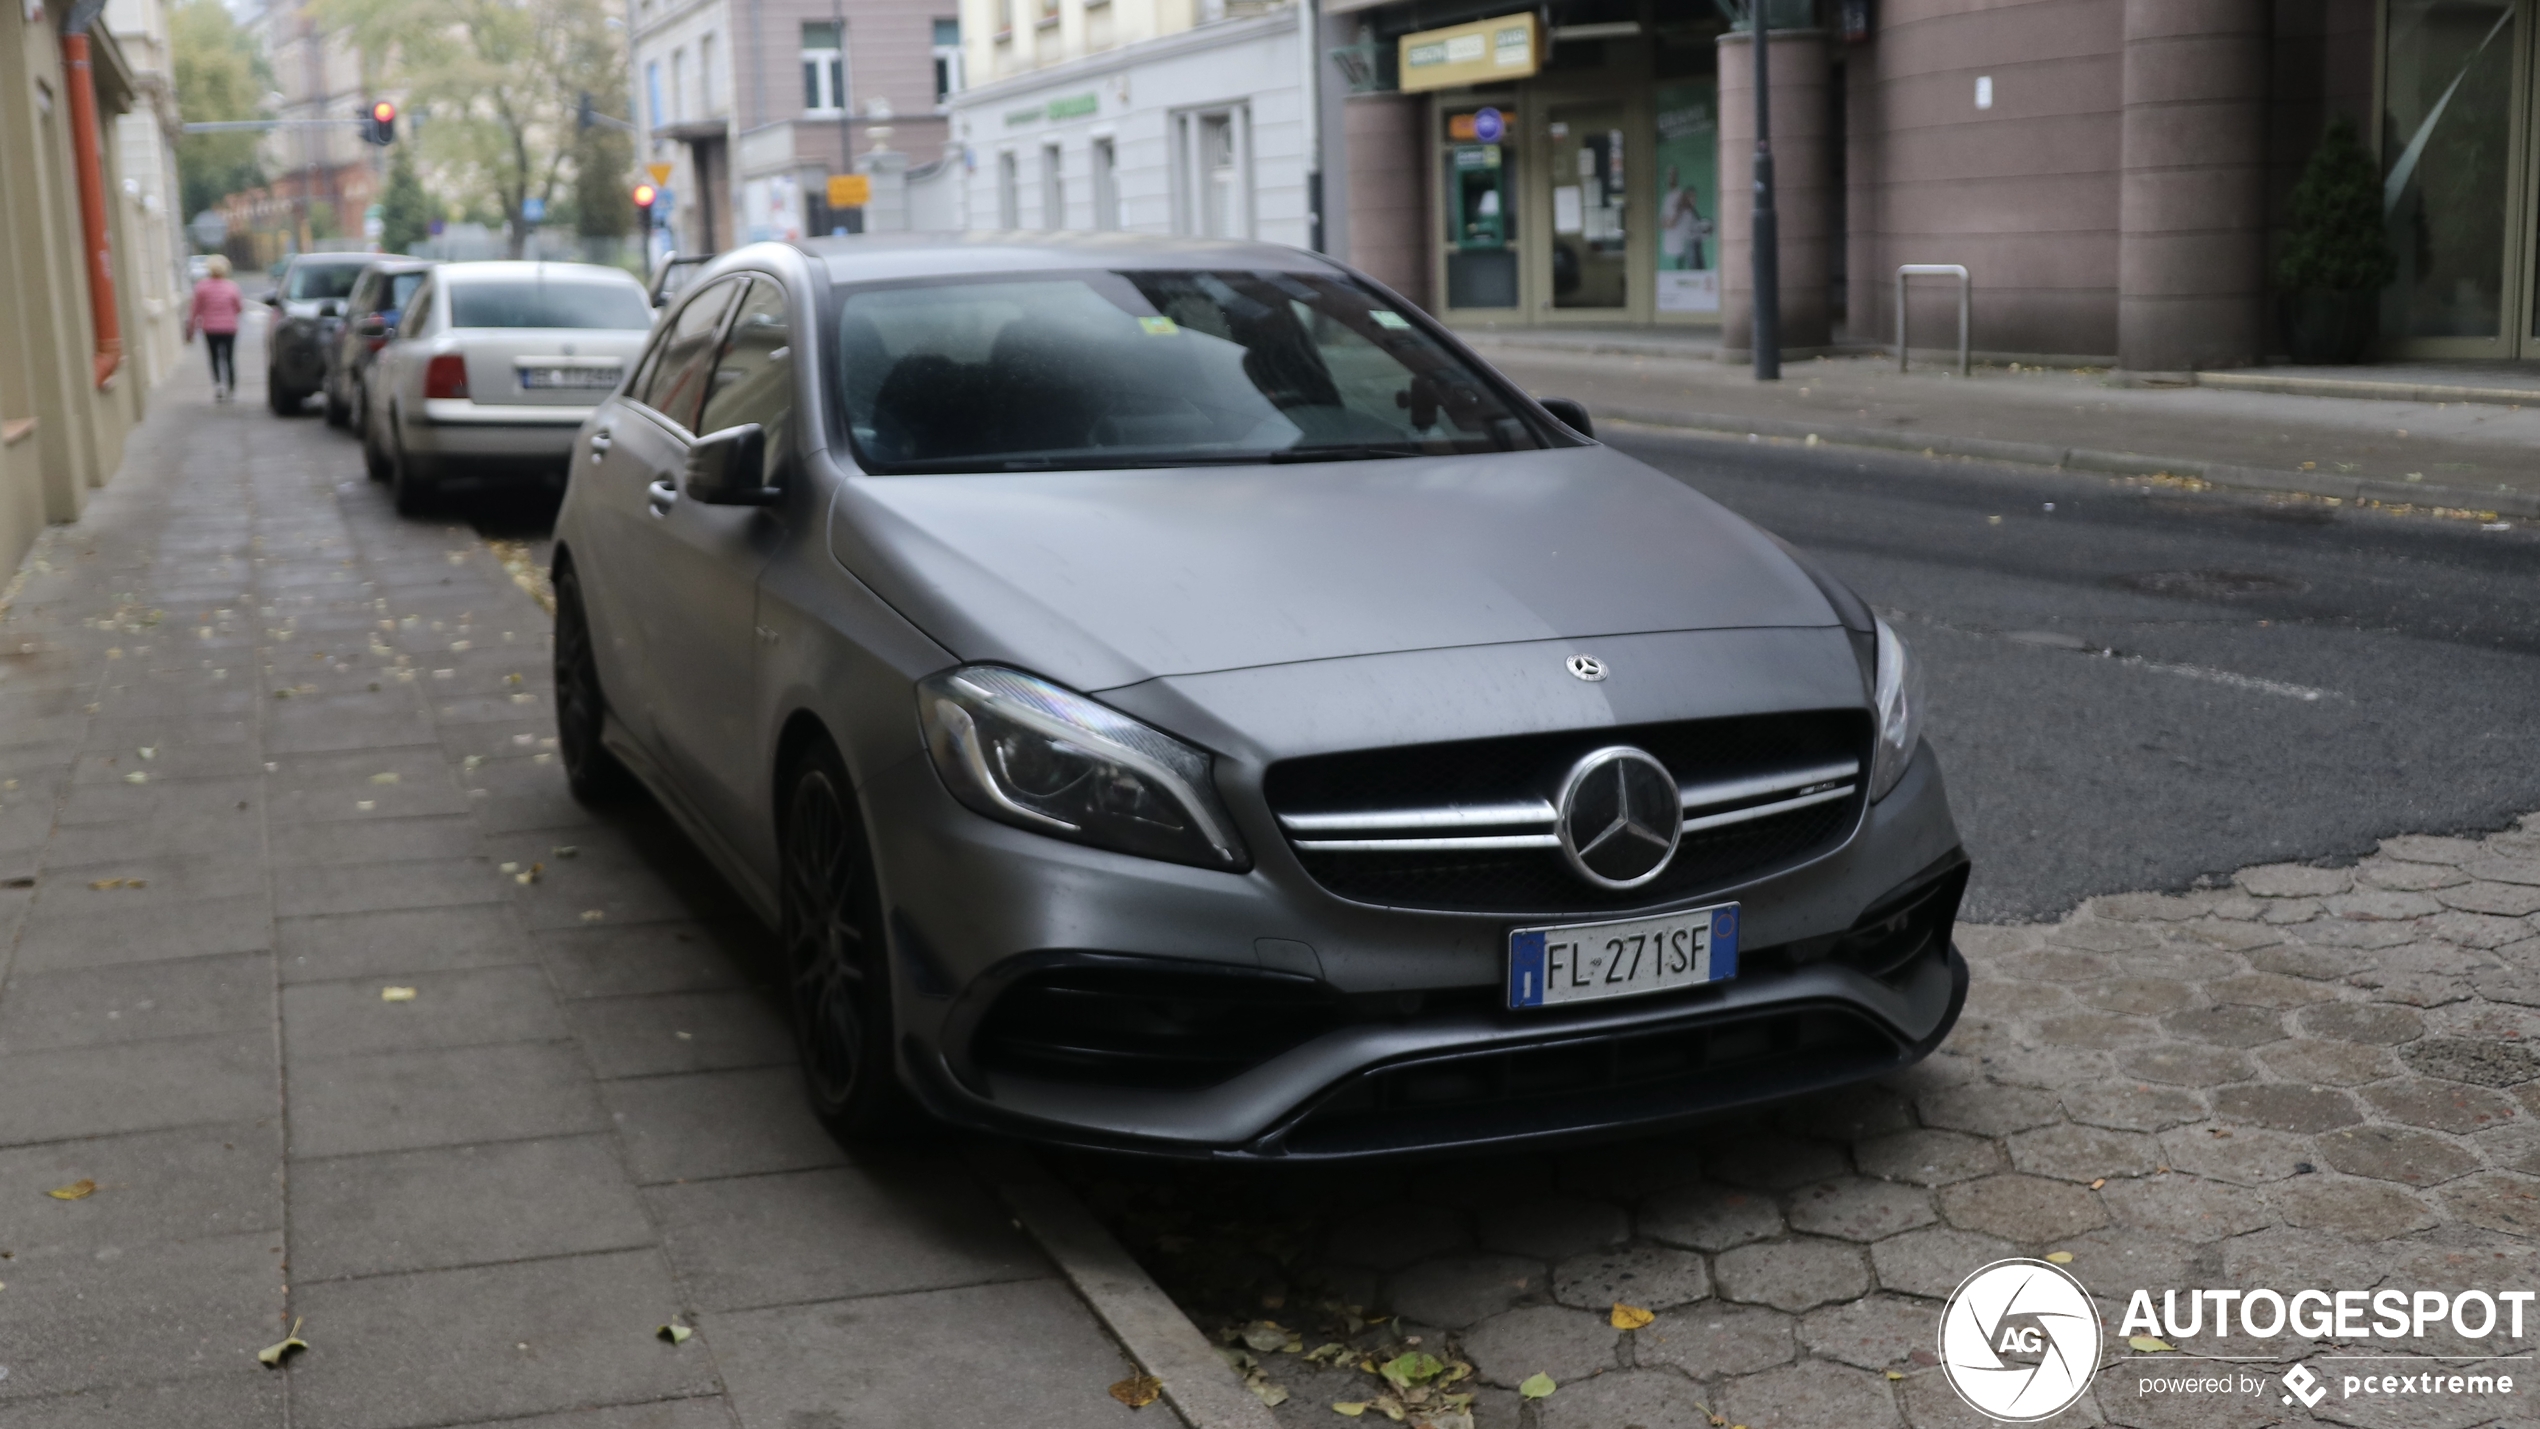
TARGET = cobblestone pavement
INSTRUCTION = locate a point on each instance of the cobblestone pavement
(269, 755)
(2311, 1077)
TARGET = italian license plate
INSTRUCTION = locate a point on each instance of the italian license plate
(602, 379)
(1586, 962)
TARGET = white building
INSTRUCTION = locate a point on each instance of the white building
(145, 157)
(1202, 130)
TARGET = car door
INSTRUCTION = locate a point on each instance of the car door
(629, 477)
(699, 602)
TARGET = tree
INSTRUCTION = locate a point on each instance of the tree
(2335, 239)
(496, 81)
(602, 205)
(219, 75)
(405, 210)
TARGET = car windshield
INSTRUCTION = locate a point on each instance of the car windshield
(535, 302)
(1120, 369)
(312, 282)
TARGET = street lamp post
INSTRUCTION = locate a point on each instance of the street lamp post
(1767, 237)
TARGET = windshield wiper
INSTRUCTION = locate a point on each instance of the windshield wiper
(1349, 453)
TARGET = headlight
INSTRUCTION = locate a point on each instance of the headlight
(1042, 758)
(1900, 711)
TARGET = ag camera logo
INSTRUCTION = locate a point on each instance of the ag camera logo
(2019, 1340)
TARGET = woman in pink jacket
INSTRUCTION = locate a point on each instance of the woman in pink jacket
(214, 312)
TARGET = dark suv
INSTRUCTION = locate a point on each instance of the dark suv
(370, 319)
(308, 310)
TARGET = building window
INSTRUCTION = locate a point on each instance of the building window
(1053, 187)
(947, 59)
(678, 86)
(1214, 173)
(1009, 200)
(1049, 13)
(824, 68)
(705, 77)
(652, 90)
(1005, 18)
(1106, 163)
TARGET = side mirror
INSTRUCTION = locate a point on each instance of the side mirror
(274, 300)
(376, 325)
(330, 309)
(726, 468)
(1572, 414)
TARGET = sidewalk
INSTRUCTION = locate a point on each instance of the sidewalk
(269, 754)
(2249, 429)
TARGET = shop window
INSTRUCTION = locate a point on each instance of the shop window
(1214, 194)
(1009, 195)
(1053, 187)
(1106, 166)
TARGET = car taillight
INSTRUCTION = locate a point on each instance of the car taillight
(446, 376)
(374, 343)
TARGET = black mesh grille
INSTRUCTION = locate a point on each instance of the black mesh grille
(1182, 1028)
(1531, 766)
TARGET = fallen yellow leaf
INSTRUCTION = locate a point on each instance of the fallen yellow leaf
(383, 778)
(2102, 1181)
(2059, 1257)
(1629, 1317)
(1895, 1374)
(1536, 1386)
(396, 994)
(2149, 1344)
(1349, 1409)
(275, 1354)
(675, 1334)
(74, 1191)
(1138, 1390)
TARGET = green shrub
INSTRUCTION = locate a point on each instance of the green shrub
(2335, 239)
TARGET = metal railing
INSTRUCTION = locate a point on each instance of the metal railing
(1933, 270)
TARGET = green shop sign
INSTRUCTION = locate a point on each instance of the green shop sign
(1075, 106)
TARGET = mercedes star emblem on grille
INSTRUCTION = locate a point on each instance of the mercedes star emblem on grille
(1587, 667)
(1620, 817)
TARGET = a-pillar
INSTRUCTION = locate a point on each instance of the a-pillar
(2191, 216)
(1803, 193)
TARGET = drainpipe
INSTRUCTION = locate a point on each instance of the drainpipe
(92, 186)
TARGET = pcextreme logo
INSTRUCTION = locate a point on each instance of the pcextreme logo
(2019, 1340)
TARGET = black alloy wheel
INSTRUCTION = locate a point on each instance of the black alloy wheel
(837, 969)
(593, 773)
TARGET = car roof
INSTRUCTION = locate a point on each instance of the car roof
(889, 256)
(404, 265)
(331, 259)
(496, 268)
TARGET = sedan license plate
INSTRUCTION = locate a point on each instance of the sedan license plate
(582, 378)
(1586, 962)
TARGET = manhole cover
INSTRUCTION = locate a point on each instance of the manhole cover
(2209, 585)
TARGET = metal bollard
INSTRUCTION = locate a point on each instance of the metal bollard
(1933, 270)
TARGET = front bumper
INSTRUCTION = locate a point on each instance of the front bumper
(1419, 1055)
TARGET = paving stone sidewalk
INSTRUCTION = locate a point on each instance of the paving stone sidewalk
(2474, 451)
(268, 753)
(2311, 1077)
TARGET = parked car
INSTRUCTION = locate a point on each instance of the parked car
(370, 315)
(493, 367)
(308, 310)
(1172, 696)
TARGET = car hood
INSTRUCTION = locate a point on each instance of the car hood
(1106, 578)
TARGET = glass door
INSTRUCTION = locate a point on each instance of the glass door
(2453, 190)
(1590, 224)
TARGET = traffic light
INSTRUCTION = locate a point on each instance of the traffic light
(379, 123)
(645, 194)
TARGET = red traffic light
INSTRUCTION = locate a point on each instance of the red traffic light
(383, 113)
(645, 194)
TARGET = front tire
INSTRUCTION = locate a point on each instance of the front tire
(283, 401)
(836, 961)
(590, 770)
(338, 414)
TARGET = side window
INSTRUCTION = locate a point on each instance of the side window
(754, 378)
(674, 381)
(416, 319)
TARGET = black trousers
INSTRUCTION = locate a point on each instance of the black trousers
(223, 347)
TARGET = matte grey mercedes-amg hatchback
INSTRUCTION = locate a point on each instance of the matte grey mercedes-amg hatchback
(1171, 696)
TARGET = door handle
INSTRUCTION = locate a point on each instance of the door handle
(661, 496)
(599, 443)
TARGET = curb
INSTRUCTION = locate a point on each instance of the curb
(1198, 1383)
(2504, 502)
(2367, 389)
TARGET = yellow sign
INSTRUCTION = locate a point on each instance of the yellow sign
(850, 190)
(660, 173)
(1481, 52)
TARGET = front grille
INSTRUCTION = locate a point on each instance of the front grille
(1590, 1083)
(1182, 1028)
(1467, 826)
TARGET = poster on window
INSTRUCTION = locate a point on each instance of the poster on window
(1688, 157)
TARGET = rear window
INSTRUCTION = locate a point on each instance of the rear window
(537, 303)
(312, 282)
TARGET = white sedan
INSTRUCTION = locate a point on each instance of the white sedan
(493, 368)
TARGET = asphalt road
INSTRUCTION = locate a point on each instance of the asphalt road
(2140, 687)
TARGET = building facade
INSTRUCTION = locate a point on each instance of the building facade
(754, 105)
(71, 254)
